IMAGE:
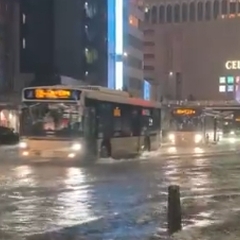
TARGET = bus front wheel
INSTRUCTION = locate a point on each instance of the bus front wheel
(147, 144)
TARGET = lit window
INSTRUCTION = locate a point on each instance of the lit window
(230, 79)
(24, 18)
(222, 80)
(237, 79)
(222, 88)
(133, 21)
(23, 43)
(230, 88)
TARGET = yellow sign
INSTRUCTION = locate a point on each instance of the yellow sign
(52, 94)
(185, 111)
(232, 65)
(117, 112)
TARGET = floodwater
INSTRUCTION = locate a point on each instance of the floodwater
(126, 200)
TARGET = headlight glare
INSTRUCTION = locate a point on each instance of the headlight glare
(76, 147)
(171, 137)
(198, 138)
(23, 145)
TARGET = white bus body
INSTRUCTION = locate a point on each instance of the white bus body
(99, 123)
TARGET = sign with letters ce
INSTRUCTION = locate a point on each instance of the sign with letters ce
(232, 65)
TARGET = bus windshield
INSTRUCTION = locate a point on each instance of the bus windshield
(51, 119)
(186, 123)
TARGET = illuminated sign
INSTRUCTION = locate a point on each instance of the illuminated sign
(51, 94)
(117, 112)
(184, 111)
(232, 65)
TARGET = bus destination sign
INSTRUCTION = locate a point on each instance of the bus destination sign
(51, 94)
(184, 111)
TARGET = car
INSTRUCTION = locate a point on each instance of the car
(8, 136)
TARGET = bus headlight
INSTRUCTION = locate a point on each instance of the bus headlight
(171, 137)
(23, 145)
(198, 138)
(76, 147)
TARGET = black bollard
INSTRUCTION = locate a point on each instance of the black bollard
(174, 210)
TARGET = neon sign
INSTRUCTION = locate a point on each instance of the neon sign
(232, 65)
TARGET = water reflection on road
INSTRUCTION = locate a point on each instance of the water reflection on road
(118, 201)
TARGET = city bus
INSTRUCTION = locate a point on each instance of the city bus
(186, 126)
(86, 123)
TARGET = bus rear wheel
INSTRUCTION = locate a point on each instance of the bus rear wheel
(105, 151)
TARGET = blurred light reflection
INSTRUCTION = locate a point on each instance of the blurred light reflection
(76, 199)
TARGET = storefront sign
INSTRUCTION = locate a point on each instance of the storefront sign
(232, 65)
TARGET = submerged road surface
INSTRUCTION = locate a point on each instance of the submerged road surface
(115, 201)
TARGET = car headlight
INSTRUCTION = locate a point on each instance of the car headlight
(76, 147)
(171, 137)
(23, 145)
(198, 138)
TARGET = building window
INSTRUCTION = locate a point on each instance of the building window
(161, 14)
(23, 43)
(149, 56)
(222, 80)
(148, 68)
(154, 15)
(200, 11)
(169, 13)
(237, 79)
(208, 11)
(233, 7)
(192, 12)
(149, 44)
(222, 88)
(230, 88)
(177, 13)
(148, 32)
(230, 80)
(133, 21)
(224, 7)
(23, 18)
(147, 16)
(184, 12)
(216, 9)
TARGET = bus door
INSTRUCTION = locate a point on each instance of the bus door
(90, 134)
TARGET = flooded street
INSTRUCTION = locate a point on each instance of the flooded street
(126, 200)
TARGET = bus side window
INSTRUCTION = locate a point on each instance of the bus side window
(104, 119)
(135, 122)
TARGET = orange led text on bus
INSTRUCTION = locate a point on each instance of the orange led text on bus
(52, 94)
(184, 111)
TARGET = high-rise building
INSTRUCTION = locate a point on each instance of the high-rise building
(191, 48)
(96, 42)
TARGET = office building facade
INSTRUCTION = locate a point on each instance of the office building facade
(94, 42)
(191, 48)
